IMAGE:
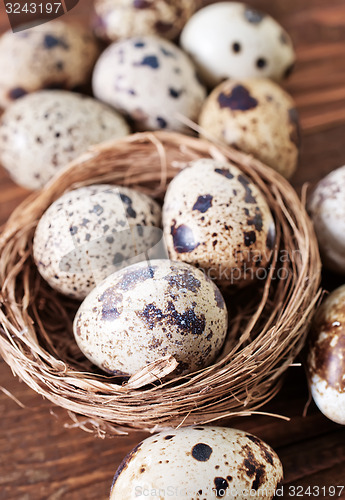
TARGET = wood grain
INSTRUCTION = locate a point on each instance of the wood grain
(42, 459)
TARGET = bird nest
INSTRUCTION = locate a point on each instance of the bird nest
(270, 319)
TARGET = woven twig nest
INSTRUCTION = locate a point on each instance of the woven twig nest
(271, 323)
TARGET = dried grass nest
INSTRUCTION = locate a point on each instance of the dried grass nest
(36, 338)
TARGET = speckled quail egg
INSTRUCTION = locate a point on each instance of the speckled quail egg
(88, 233)
(52, 55)
(326, 207)
(42, 132)
(326, 357)
(199, 463)
(216, 218)
(117, 19)
(232, 40)
(256, 116)
(150, 310)
(151, 80)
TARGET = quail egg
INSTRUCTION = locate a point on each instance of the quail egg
(117, 19)
(256, 116)
(42, 132)
(232, 40)
(52, 55)
(150, 310)
(151, 80)
(326, 207)
(326, 357)
(201, 463)
(216, 218)
(88, 233)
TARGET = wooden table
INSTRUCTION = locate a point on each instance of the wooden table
(43, 458)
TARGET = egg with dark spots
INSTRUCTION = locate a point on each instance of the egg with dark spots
(126, 77)
(245, 43)
(200, 463)
(326, 357)
(215, 217)
(52, 55)
(239, 99)
(256, 116)
(183, 238)
(128, 18)
(42, 132)
(150, 310)
(92, 231)
(201, 452)
(326, 206)
(203, 203)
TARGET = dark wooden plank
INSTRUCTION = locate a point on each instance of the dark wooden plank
(48, 461)
(41, 459)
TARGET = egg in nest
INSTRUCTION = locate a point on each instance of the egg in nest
(88, 233)
(150, 310)
(216, 218)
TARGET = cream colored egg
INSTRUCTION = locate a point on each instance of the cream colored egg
(42, 132)
(51, 55)
(88, 233)
(200, 463)
(326, 357)
(233, 40)
(326, 207)
(257, 117)
(216, 218)
(150, 80)
(117, 19)
(150, 310)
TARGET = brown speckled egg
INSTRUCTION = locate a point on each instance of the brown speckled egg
(42, 132)
(150, 80)
(326, 357)
(117, 19)
(216, 218)
(52, 55)
(199, 463)
(88, 233)
(150, 310)
(326, 207)
(234, 40)
(258, 117)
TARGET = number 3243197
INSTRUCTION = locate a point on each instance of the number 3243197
(315, 491)
(33, 8)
